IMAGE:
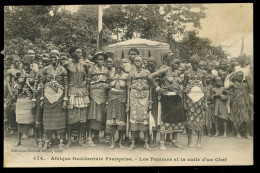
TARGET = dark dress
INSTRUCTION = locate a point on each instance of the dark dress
(54, 117)
(171, 101)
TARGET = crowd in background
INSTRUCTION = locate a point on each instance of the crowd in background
(56, 96)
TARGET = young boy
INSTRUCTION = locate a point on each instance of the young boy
(240, 104)
(220, 110)
(208, 117)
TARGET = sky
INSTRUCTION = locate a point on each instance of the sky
(225, 25)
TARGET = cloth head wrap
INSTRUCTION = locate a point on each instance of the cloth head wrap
(55, 53)
(138, 58)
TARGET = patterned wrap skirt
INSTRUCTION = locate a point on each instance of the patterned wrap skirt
(116, 115)
(195, 113)
(139, 117)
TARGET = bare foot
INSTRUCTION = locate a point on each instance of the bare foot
(217, 134)
(132, 146)
(231, 134)
(91, 144)
(82, 144)
(238, 136)
(146, 146)
(249, 137)
(17, 144)
(209, 135)
(61, 146)
(68, 145)
(121, 146)
(224, 135)
(198, 146)
(191, 146)
(153, 144)
(112, 146)
(177, 145)
(24, 136)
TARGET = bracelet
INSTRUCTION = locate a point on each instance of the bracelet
(150, 101)
(34, 100)
(65, 99)
(157, 88)
(41, 98)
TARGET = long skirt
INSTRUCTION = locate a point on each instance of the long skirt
(24, 115)
(195, 114)
(240, 109)
(116, 116)
(54, 117)
(139, 117)
(96, 115)
(172, 114)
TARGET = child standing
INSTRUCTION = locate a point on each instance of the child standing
(240, 104)
(220, 110)
(208, 117)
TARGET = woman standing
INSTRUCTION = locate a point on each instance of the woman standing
(54, 97)
(116, 115)
(172, 108)
(194, 100)
(39, 107)
(98, 83)
(24, 106)
(138, 97)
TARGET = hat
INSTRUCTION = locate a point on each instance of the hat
(94, 58)
(31, 51)
(138, 58)
(166, 53)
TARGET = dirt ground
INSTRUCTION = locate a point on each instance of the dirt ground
(214, 151)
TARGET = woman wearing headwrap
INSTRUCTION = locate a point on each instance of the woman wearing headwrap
(171, 97)
(78, 95)
(116, 115)
(138, 98)
(98, 77)
(25, 104)
(194, 100)
(54, 98)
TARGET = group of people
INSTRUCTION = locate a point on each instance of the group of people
(59, 98)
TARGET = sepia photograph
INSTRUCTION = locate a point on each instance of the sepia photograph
(116, 85)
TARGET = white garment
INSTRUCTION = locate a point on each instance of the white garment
(215, 72)
(195, 94)
(245, 70)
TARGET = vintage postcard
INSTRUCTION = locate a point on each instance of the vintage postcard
(128, 85)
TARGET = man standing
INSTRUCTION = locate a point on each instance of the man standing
(78, 96)
(34, 65)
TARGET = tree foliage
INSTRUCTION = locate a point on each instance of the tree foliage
(48, 27)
